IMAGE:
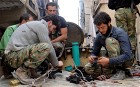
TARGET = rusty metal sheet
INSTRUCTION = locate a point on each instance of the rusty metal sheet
(75, 34)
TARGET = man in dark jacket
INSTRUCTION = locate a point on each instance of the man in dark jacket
(116, 42)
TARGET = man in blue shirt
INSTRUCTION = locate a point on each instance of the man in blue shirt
(117, 44)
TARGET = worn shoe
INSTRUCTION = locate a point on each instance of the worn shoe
(34, 73)
(120, 75)
(22, 75)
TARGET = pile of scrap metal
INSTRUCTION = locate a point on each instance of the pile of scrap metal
(78, 75)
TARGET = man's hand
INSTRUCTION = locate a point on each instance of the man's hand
(104, 61)
(60, 64)
(91, 59)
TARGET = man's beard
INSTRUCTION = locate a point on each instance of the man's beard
(108, 31)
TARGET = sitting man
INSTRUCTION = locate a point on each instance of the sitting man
(116, 42)
(5, 39)
(60, 34)
(29, 46)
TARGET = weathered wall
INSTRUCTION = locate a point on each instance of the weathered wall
(10, 11)
(105, 8)
(9, 16)
(138, 33)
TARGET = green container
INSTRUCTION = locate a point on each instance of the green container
(75, 53)
(69, 68)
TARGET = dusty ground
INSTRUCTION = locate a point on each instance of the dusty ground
(60, 81)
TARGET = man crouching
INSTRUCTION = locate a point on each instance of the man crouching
(30, 45)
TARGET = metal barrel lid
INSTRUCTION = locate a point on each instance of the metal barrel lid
(75, 34)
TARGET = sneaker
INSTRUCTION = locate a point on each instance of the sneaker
(22, 75)
(120, 75)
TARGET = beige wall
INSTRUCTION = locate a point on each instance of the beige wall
(105, 8)
(138, 33)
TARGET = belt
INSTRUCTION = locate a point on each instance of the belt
(126, 7)
(123, 8)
